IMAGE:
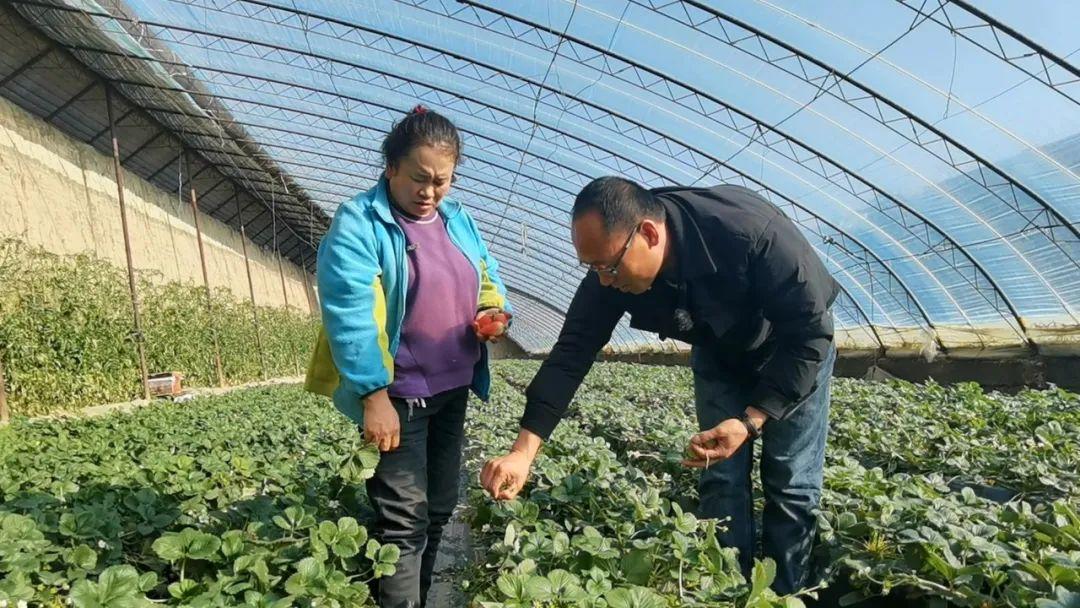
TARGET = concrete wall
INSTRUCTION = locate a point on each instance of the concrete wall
(60, 194)
(506, 349)
(1004, 374)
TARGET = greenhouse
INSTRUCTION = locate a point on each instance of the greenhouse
(203, 233)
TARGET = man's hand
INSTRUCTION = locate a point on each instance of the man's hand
(716, 444)
(491, 324)
(504, 477)
(381, 424)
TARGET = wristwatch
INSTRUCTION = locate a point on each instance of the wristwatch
(751, 428)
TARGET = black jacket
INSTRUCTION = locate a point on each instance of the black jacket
(748, 290)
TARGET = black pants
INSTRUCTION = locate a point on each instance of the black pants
(414, 491)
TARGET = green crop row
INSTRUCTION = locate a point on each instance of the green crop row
(67, 339)
(255, 498)
(250, 499)
(903, 530)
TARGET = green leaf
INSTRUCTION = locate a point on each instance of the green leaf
(117, 587)
(381, 570)
(634, 597)
(119, 582)
(309, 577)
(369, 456)
(261, 572)
(296, 585)
(1063, 598)
(232, 543)
(203, 546)
(389, 554)
(187, 544)
(169, 547)
(328, 532)
(637, 566)
(846, 520)
(147, 582)
(69, 525)
(347, 526)
(83, 594)
(184, 590)
(15, 587)
(82, 557)
(309, 568)
(524, 588)
(763, 575)
(939, 564)
(360, 465)
(560, 543)
(372, 549)
(562, 582)
(346, 547)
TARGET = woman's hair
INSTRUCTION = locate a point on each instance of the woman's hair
(420, 127)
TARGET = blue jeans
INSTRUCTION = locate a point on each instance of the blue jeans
(792, 464)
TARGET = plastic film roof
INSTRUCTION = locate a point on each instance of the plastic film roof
(928, 149)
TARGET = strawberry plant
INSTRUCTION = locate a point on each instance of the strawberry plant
(963, 433)
(595, 531)
(251, 498)
(255, 498)
(894, 519)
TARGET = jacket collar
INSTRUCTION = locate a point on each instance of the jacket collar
(693, 256)
(379, 195)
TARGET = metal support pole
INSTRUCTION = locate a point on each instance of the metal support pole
(307, 285)
(139, 338)
(281, 272)
(5, 413)
(205, 275)
(251, 287)
(285, 294)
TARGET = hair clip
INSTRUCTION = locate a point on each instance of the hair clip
(419, 109)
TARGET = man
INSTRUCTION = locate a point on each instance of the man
(724, 270)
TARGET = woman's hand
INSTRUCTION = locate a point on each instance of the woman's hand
(491, 324)
(381, 424)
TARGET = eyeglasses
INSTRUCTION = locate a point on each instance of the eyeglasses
(612, 270)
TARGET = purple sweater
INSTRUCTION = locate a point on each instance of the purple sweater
(438, 348)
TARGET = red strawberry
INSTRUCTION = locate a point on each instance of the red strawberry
(491, 325)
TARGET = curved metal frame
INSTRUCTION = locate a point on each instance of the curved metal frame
(760, 128)
(955, 247)
(843, 235)
(251, 77)
(869, 102)
(873, 328)
(998, 30)
(869, 322)
(794, 157)
(999, 292)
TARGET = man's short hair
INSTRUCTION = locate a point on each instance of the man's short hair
(621, 203)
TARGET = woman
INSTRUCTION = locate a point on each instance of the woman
(405, 282)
